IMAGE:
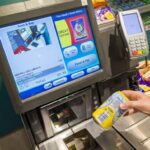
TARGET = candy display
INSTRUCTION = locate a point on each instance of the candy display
(104, 10)
(143, 76)
(104, 15)
(98, 3)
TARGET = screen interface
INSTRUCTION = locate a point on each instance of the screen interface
(132, 24)
(50, 51)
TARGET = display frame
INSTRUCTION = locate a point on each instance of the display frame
(129, 12)
(62, 90)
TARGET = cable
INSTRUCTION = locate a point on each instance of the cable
(146, 61)
(117, 28)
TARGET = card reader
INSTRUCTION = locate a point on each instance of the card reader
(133, 32)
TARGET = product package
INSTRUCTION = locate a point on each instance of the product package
(104, 15)
(109, 112)
(143, 76)
(99, 3)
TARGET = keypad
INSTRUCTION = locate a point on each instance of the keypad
(138, 46)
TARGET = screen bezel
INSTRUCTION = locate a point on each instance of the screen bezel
(121, 14)
(139, 25)
(60, 91)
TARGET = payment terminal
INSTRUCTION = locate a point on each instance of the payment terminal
(133, 33)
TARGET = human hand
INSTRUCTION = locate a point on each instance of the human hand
(139, 102)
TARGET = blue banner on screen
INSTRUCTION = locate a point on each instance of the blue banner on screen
(50, 51)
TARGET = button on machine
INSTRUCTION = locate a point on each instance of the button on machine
(78, 74)
(92, 69)
(60, 81)
(137, 46)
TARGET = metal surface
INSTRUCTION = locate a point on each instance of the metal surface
(136, 129)
(140, 131)
(110, 140)
(91, 126)
(146, 144)
(32, 4)
(56, 143)
(127, 121)
(106, 139)
(28, 5)
(81, 105)
(12, 8)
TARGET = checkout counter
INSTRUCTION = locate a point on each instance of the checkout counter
(55, 85)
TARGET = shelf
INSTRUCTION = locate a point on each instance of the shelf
(108, 26)
(144, 9)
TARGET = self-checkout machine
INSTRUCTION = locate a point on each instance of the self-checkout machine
(136, 128)
(126, 42)
(51, 61)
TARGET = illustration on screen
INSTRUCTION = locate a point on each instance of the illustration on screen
(79, 29)
(73, 30)
(29, 38)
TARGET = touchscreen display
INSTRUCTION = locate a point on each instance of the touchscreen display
(50, 51)
(132, 24)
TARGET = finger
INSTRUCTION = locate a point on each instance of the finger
(131, 111)
(133, 95)
(129, 105)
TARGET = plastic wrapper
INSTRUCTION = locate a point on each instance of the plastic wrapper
(143, 77)
(104, 15)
